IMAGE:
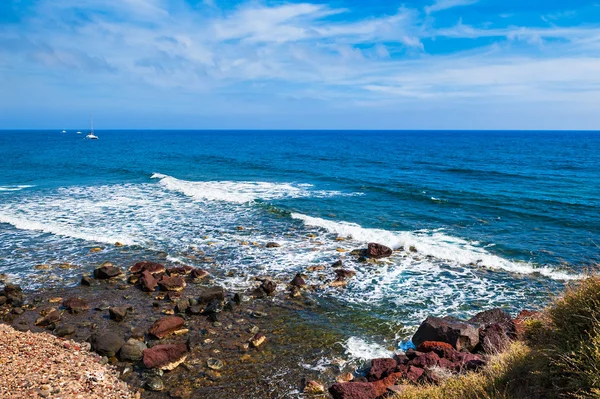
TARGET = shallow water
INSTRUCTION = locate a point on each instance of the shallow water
(496, 218)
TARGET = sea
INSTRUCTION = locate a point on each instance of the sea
(479, 219)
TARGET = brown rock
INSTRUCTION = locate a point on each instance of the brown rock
(425, 360)
(180, 270)
(150, 267)
(353, 390)
(106, 272)
(198, 274)
(165, 357)
(344, 274)
(268, 286)
(258, 340)
(298, 281)
(414, 373)
(49, 319)
(210, 294)
(76, 305)
(174, 283)
(381, 368)
(272, 245)
(166, 326)
(117, 313)
(378, 251)
(148, 281)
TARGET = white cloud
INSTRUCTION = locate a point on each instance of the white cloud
(441, 5)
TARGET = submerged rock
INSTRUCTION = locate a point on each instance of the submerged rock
(107, 343)
(52, 317)
(268, 286)
(166, 326)
(76, 305)
(132, 350)
(165, 357)
(117, 313)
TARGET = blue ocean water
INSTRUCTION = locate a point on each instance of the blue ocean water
(496, 218)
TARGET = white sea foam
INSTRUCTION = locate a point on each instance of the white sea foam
(359, 349)
(241, 192)
(15, 188)
(436, 244)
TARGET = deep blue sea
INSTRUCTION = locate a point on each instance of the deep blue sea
(496, 218)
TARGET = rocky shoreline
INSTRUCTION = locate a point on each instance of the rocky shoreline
(172, 333)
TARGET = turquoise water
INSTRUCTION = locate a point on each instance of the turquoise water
(497, 218)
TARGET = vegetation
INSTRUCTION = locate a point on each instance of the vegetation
(557, 357)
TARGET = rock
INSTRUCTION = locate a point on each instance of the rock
(425, 360)
(181, 305)
(215, 306)
(18, 311)
(210, 294)
(381, 368)
(165, 357)
(317, 268)
(180, 270)
(378, 251)
(492, 316)
(14, 295)
(49, 319)
(494, 338)
(137, 333)
(2, 300)
(64, 330)
(238, 298)
(96, 249)
(76, 305)
(273, 245)
(198, 274)
(195, 310)
(314, 388)
(435, 346)
(414, 373)
(344, 274)
(148, 281)
(337, 264)
(106, 272)
(339, 282)
(155, 384)
(258, 340)
(353, 390)
(87, 281)
(382, 385)
(345, 377)
(107, 343)
(150, 267)
(117, 313)
(214, 364)
(258, 292)
(132, 351)
(459, 334)
(166, 326)
(268, 286)
(298, 281)
(174, 283)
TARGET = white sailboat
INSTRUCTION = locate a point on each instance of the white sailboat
(78, 132)
(64, 131)
(91, 135)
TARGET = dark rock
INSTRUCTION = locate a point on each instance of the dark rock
(268, 286)
(107, 343)
(166, 326)
(460, 335)
(165, 357)
(76, 305)
(14, 295)
(195, 310)
(180, 270)
(150, 267)
(337, 264)
(215, 306)
(378, 251)
(353, 390)
(258, 292)
(2, 300)
(106, 272)
(272, 245)
(87, 281)
(381, 368)
(64, 330)
(49, 319)
(298, 281)
(18, 311)
(229, 306)
(494, 338)
(198, 274)
(117, 313)
(344, 274)
(210, 294)
(425, 360)
(411, 354)
(174, 283)
(132, 351)
(181, 305)
(492, 316)
(401, 358)
(148, 281)
(137, 333)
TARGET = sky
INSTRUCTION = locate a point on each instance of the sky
(340, 64)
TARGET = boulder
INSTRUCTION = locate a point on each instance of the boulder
(198, 274)
(49, 319)
(165, 357)
(344, 274)
(273, 245)
(107, 343)
(148, 281)
(494, 338)
(433, 346)
(378, 251)
(210, 294)
(353, 390)
(117, 313)
(298, 281)
(381, 368)
(106, 272)
(132, 351)
(268, 286)
(76, 305)
(64, 330)
(180, 270)
(14, 295)
(461, 335)
(166, 326)
(492, 316)
(174, 283)
(382, 385)
(425, 360)
(414, 373)
(150, 267)
(87, 281)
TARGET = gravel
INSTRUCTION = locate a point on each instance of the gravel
(39, 365)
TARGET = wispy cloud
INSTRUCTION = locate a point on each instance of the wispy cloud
(441, 5)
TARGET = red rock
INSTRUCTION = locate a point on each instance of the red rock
(378, 251)
(524, 316)
(165, 357)
(446, 364)
(76, 305)
(180, 270)
(148, 282)
(166, 326)
(353, 390)
(198, 274)
(414, 373)
(433, 346)
(425, 360)
(151, 267)
(174, 283)
(381, 368)
(382, 385)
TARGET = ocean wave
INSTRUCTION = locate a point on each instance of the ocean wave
(434, 243)
(15, 188)
(241, 192)
(62, 230)
(359, 349)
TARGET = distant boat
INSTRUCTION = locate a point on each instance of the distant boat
(78, 132)
(64, 131)
(91, 135)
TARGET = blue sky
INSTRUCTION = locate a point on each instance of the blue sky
(417, 64)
